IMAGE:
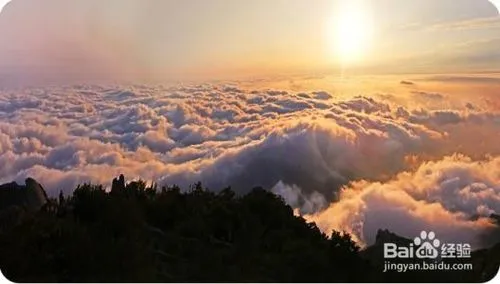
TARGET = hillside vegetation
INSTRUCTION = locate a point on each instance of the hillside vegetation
(140, 233)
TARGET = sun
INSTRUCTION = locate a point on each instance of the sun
(350, 31)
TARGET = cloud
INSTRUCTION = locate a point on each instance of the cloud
(305, 147)
(294, 197)
(426, 14)
(428, 96)
(478, 23)
(225, 136)
(409, 83)
(464, 79)
(453, 197)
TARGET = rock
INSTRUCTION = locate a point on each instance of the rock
(386, 236)
(36, 195)
(118, 184)
(375, 253)
(30, 196)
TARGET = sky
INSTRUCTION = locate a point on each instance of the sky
(156, 39)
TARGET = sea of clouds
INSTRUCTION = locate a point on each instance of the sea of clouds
(355, 164)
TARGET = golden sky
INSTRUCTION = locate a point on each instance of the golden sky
(222, 38)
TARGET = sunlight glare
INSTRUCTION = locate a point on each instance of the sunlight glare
(352, 31)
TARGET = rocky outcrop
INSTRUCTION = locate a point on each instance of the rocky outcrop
(375, 252)
(118, 184)
(30, 196)
(386, 236)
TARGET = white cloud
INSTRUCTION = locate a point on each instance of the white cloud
(453, 197)
(304, 146)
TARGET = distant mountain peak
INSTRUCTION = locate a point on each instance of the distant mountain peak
(386, 236)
